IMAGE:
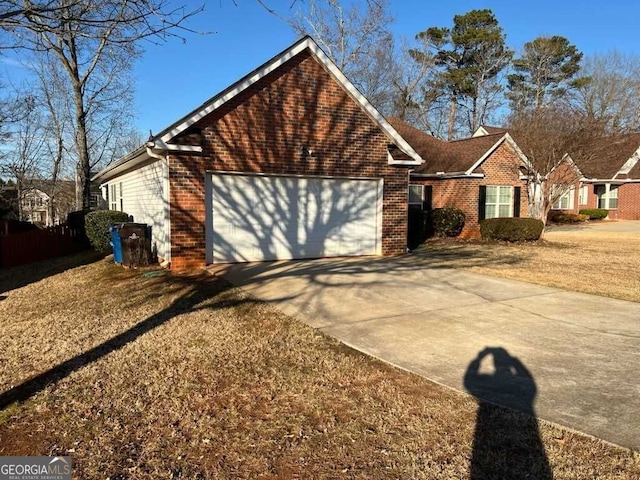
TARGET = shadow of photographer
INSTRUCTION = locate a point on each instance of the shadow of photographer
(507, 442)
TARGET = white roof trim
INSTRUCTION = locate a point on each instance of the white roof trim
(306, 43)
(505, 138)
(448, 175)
(629, 164)
(480, 132)
(160, 145)
(567, 157)
(612, 181)
(126, 163)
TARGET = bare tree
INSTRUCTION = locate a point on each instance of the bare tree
(550, 138)
(55, 101)
(25, 156)
(95, 43)
(610, 91)
(355, 37)
(417, 96)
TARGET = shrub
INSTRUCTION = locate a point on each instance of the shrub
(97, 227)
(511, 229)
(560, 217)
(447, 221)
(595, 213)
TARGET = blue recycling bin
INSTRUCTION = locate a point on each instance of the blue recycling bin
(116, 243)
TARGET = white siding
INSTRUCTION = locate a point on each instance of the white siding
(143, 197)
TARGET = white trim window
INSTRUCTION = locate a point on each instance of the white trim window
(583, 195)
(607, 196)
(565, 202)
(415, 194)
(115, 199)
(498, 202)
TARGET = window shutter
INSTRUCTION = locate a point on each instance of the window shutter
(516, 201)
(482, 200)
(428, 196)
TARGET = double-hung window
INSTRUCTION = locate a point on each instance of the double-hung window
(498, 201)
(416, 195)
(607, 196)
(565, 202)
(115, 199)
(583, 195)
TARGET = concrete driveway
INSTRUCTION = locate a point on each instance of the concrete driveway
(581, 352)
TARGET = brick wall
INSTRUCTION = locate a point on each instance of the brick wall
(500, 168)
(264, 129)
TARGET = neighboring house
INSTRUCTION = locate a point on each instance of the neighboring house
(481, 175)
(605, 175)
(36, 201)
(291, 161)
(609, 179)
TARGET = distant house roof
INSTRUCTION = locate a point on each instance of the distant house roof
(603, 159)
(611, 158)
(47, 186)
(458, 156)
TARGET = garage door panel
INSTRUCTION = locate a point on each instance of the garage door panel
(268, 218)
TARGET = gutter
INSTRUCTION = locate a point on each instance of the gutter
(613, 181)
(446, 175)
(141, 154)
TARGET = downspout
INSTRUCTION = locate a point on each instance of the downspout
(409, 172)
(165, 190)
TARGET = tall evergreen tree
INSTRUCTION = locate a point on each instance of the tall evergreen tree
(471, 55)
(543, 74)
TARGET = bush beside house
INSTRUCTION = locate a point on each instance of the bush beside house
(595, 213)
(561, 217)
(511, 229)
(446, 222)
(97, 227)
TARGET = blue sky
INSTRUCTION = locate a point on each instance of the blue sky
(176, 77)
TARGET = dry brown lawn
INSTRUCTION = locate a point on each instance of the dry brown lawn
(600, 263)
(186, 377)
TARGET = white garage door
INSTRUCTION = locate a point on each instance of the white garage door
(262, 217)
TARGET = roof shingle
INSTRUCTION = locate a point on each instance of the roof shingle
(444, 157)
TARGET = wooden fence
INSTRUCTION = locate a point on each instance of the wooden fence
(36, 245)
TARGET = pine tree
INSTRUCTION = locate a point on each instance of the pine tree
(544, 72)
(471, 55)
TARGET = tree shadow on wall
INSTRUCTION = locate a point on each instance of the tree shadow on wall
(507, 443)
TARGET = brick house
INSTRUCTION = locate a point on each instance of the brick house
(291, 161)
(480, 175)
(609, 178)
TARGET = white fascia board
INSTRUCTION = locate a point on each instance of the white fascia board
(613, 181)
(278, 61)
(568, 158)
(120, 166)
(409, 163)
(505, 138)
(629, 164)
(509, 139)
(486, 155)
(172, 147)
(447, 175)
